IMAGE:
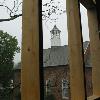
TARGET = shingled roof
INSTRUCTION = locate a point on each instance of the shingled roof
(59, 55)
(55, 56)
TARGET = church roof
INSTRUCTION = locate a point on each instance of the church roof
(59, 55)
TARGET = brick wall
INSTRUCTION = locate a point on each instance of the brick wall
(57, 74)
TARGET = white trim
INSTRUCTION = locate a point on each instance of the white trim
(65, 86)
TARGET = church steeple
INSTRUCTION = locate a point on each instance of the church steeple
(55, 36)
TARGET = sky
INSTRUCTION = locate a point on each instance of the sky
(61, 23)
(15, 27)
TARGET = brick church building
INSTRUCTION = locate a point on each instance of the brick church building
(56, 69)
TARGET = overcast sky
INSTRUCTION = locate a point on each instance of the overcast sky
(15, 27)
(62, 25)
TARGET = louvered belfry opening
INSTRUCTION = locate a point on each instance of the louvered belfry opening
(30, 73)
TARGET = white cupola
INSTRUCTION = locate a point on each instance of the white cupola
(55, 37)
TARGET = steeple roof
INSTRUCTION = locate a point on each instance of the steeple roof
(55, 29)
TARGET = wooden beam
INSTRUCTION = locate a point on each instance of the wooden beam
(30, 82)
(77, 86)
(98, 13)
(95, 50)
(88, 4)
(94, 97)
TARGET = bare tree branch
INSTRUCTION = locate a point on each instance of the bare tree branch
(7, 8)
(18, 6)
(52, 10)
(49, 8)
(11, 18)
(14, 11)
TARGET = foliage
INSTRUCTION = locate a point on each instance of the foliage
(8, 49)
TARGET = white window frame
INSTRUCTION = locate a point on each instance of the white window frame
(48, 89)
(66, 86)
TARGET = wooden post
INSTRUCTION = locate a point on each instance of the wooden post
(30, 84)
(95, 50)
(77, 87)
